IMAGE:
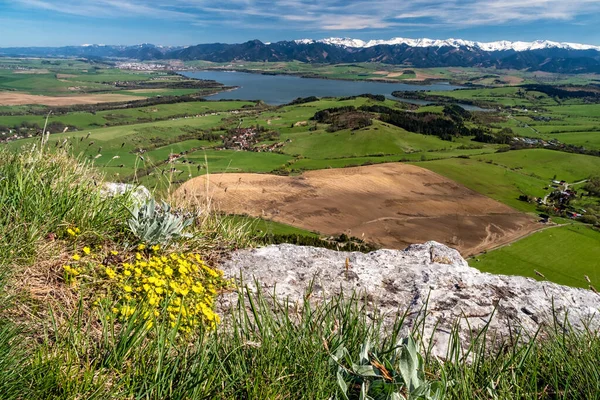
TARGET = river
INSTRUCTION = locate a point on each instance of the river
(282, 89)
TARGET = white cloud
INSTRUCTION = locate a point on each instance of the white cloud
(331, 15)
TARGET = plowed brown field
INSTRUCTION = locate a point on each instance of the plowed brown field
(392, 205)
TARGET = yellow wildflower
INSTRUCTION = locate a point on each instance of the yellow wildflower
(87, 250)
(155, 247)
(141, 246)
(110, 272)
(76, 257)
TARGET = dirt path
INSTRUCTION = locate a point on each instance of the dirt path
(393, 205)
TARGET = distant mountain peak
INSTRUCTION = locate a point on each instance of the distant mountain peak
(501, 45)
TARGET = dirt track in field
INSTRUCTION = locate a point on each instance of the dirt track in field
(18, 99)
(392, 205)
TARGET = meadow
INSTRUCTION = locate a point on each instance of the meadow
(564, 255)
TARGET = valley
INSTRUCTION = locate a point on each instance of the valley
(376, 167)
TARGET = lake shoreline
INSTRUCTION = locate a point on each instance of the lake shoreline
(278, 89)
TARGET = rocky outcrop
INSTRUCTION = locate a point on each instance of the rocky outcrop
(428, 275)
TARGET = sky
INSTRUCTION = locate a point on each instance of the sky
(187, 22)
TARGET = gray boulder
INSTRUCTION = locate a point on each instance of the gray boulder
(430, 275)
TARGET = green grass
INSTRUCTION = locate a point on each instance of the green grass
(563, 255)
(545, 164)
(43, 193)
(378, 139)
(506, 176)
(87, 121)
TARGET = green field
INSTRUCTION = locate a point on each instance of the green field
(140, 150)
(547, 164)
(71, 77)
(490, 180)
(563, 255)
(506, 176)
(127, 116)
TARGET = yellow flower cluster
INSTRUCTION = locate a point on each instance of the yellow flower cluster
(179, 287)
(73, 232)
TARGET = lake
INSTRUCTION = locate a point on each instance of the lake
(282, 89)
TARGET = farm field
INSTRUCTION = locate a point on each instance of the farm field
(547, 164)
(17, 99)
(506, 176)
(127, 116)
(392, 205)
(117, 149)
(64, 82)
(562, 254)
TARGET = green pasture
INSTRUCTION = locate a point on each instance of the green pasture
(87, 120)
(563, 255)
(547, 164)
(377, 139)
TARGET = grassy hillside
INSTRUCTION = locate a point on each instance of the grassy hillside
(563, 255)
(506, 176)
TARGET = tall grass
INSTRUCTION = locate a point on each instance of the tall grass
(41, 194)
(270, 349)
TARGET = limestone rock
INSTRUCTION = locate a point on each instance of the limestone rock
(426, 274)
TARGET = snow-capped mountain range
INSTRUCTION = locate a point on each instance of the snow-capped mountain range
(502, 45)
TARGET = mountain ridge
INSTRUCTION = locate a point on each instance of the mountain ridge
(501, 45)
(543, 56)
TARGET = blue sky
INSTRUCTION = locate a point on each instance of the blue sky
(183, 22)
